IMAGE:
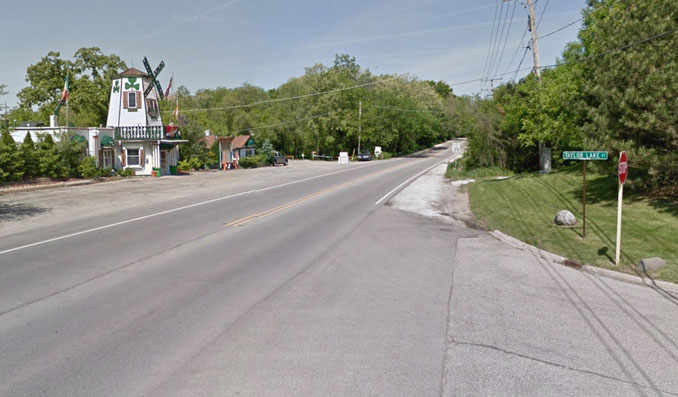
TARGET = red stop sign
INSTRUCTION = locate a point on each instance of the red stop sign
(623, 168)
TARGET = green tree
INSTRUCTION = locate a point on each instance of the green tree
(11, 164)
(71, 152)
(631, 86)
(31, 165)
(48, 158)
(266, 150)
(442, 88)
(90, 74)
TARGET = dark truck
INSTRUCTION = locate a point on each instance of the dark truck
(278, 158)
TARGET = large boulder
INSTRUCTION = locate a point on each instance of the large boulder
(565, 218)
(650, 264)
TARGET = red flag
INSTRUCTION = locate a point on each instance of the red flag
(169, 87)
(65, 92)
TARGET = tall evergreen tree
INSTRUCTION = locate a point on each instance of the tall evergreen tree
(28, 155)
(11, 164)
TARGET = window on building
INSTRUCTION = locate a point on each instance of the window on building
(133, 157)
(107, 158)
(152, 106)
(132, 100)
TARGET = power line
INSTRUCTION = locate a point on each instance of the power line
(489, 48)
(499, 39)
(403, 110)
(288, 98)
(508, 33)
(517, 50)
(521, 63)
(279, 124)
(620, 48)
(572, 23)
(542, 13)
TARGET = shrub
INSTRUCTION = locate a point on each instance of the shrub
(88, 168)
(195, 163)
(184, 165)
(248, 162)
(126, 172)
(48, 159)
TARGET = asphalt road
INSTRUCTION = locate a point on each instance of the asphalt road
(303, 280)
(139, 300)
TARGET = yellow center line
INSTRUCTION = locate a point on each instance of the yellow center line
(242, 221)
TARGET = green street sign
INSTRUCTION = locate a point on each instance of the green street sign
(585, 155)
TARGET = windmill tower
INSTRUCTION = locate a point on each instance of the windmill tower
(140, 142)
(134, 98)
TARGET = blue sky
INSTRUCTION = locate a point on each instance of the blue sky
(225, 43)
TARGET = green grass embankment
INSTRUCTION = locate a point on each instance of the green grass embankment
(524, 206)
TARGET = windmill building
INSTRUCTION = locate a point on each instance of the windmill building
(134, 137)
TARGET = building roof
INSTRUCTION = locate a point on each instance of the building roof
(241, 141)
(131, 72)
(209, 140)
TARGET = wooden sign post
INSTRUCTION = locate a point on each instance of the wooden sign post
(622, 172)
(584, 156)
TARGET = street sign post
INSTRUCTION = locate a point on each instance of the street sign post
(585, 156)
(622, 172)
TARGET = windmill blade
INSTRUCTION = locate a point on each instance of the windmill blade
(148, 68)
(148, 90)
(161, 94)
(157, 70)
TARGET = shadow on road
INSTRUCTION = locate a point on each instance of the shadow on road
(11, 212)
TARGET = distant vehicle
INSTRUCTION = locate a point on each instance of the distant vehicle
(278, 158)
(364, 155)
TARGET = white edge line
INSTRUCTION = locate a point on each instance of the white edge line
(175, 210)
(416, 176)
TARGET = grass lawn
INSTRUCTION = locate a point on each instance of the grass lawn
(525, 205)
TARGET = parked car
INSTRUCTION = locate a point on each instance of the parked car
(364, 155)
(278, 158)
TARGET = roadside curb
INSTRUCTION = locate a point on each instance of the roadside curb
(46, 186)
(596, 271)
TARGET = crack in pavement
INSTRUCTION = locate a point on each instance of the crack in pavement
(562, 366)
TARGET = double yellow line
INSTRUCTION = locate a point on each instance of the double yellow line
(272, 211)
(243, 221)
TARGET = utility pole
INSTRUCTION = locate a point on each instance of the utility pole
(544, 152)
(535, 48)
(360, 116)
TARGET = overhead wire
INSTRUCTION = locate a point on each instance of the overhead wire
(497, 40)
(587, 58)
(572, 23)
(520, 45)
(489, 47)
(519, 69)
(593, 56)
(282, 123)
(289, 98)
(403, 110)
(508, 33)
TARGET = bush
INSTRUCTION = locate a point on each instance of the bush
(126, 172)
(88, 168)
(195, 163)
(104, 172)
(48, 159)
(184, 165)
(248, 162)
